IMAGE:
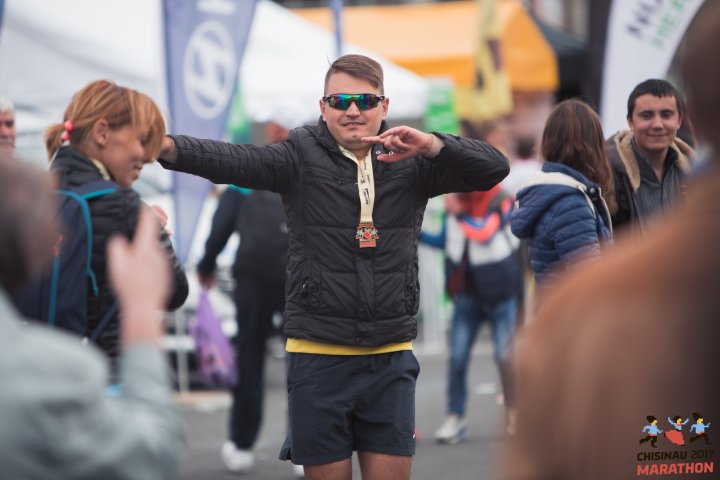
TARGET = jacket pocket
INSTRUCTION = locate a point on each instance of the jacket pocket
(412, 290)
(310, 288)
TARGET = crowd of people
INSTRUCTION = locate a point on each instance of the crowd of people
(623, 340)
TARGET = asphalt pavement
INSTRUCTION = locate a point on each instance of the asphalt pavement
(205, 416)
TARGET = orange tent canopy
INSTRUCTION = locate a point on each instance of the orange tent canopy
(439, 39)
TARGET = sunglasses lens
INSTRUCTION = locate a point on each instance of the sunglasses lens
(342, 101)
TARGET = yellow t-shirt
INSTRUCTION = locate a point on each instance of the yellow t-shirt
(301, 345)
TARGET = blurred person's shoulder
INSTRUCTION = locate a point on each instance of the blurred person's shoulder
(629, 336)
(49, 365)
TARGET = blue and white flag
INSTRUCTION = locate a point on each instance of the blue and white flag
(204, 44)
(336, 6)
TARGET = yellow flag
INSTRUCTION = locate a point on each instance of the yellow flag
(492, 97)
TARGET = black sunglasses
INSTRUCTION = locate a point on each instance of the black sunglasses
(364, 101)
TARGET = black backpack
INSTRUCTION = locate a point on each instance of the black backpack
(58, 297)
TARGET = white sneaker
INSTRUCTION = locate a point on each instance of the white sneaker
(237, 460)
(452, 430)
(298, 471)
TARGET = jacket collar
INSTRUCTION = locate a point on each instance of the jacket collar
(550, 167)
(73, 168)
(623, 141)
(323, 135)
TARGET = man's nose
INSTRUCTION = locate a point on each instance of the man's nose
(353, 109)
(657, 122)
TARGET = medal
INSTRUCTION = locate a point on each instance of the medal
(366, 235)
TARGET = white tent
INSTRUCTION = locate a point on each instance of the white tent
(286, 53)
(49, 50)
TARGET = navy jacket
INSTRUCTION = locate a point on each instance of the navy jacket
(111, 214)
(558, 222)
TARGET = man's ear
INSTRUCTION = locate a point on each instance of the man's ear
(322, 109)
(100, 132)
(630, 123)
(385, 105)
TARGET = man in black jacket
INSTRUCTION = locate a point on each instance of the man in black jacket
(354, 193)
(259, 272)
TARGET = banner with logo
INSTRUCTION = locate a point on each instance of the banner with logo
(204, 43)
(642, 38)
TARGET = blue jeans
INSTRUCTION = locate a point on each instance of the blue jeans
(469, 314)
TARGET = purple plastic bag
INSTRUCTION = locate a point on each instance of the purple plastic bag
(214, 354)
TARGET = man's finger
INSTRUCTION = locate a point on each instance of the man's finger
(375, 139)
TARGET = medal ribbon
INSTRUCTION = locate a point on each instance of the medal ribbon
(366, 189)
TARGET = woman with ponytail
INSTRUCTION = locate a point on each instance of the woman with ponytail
(110, 132)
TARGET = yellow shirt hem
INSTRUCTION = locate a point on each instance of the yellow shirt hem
(302, 345)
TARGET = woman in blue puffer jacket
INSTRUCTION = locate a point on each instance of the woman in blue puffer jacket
(564, 212)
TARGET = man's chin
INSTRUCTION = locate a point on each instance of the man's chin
(657, 146)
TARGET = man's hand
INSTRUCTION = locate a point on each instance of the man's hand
(402, 143)
(168, 151)
(140, 276)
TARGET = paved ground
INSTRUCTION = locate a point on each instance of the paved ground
(205, 416)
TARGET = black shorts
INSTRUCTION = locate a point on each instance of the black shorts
(341, 403)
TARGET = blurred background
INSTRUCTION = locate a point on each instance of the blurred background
(218, 68)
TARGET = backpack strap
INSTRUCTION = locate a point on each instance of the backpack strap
(81, 195)
(559, 178)
(87, 192)
(54, 282)
(103, 322)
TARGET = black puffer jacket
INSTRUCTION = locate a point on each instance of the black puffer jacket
(113, 213)
(337, 292)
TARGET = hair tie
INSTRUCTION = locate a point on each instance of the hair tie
(68, 127)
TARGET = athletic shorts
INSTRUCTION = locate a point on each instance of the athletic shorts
(342, 403)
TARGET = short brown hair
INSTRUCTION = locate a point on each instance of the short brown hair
(26, 221)
(120, 106)
(573, 136)
(358, 66)
(702, 75)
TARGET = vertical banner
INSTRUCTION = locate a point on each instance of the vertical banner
(204, 43)
(336, 7)
(642, 37)
(492, 96)
(598, 14)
